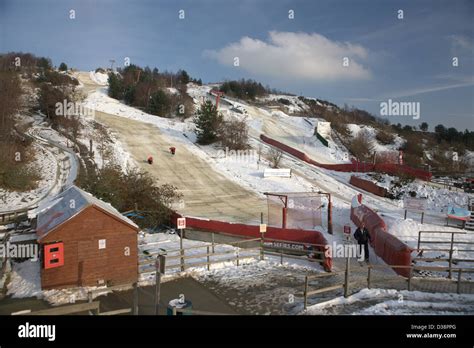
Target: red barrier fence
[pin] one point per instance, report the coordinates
(253, 231)
(355, 166)
(368, 186)
(392, 250)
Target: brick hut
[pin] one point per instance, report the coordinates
(85, 242)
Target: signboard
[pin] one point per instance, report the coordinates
(411, 203)
(282, 173)
(181, 223)
(324, 128)
(263, 228)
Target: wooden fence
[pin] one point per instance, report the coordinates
(451, 250)
(346, 284)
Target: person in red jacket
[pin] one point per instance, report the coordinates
(150, 160)
(172, 150)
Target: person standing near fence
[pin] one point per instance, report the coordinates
(362, 236)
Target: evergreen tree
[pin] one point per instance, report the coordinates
(116, 87)
(62, 67)
(424, 126)
(207, 123)
(159, 104)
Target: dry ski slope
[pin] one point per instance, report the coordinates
(206, 193)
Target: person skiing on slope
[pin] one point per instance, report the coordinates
(363, 237)
(150, 160)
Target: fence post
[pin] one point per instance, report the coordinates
(410, 275)
(208, 259)
(181, 235)
(157, 284)
(458, 288)
(305, 294)
(422, 217)
(405, 214)
(346, 280)
(212, 235)
(281, 258)
(369, 273)
(135, 299)
(451, 255)
(237, 255)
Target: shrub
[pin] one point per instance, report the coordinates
(384, 137)
(234, 134)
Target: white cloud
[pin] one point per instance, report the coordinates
(301, 56)
(462, 42)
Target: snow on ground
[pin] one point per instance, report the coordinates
(295, 105)
(371, 132)
(241, 168)
(393, 302)
(99, 78)
(437, 199)
(25, 281)
(45, 161)
(151, 244)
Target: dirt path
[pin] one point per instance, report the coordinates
(206, 193)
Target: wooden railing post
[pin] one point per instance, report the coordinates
(346, 279)
(458, 287)
(305, 294)
(212, 235)
(410, 275)
(369, 276)
(135, 299)
(451, 255)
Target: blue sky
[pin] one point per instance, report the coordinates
(407, 59)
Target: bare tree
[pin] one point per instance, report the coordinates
(275, 157)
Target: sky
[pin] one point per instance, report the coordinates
(356, 52)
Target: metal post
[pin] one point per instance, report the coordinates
(281, 258)
(157, 284)
(422, 217)
(212, 234)
(346, 280)
(458, 288)
(451, 255)
(237, 255)
(305, 292)
(135, 299)
(181, 249)
(262, 256)
(405, 214)
(208, 259)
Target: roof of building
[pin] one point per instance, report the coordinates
(68, 204)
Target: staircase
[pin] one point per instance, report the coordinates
(470, 224)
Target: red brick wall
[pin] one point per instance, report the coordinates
(84, 262)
